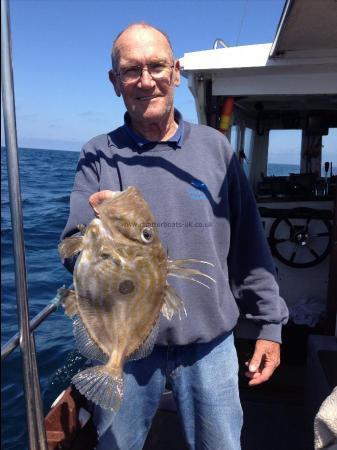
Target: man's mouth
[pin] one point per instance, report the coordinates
(148, 97)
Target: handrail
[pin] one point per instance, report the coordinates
(14, 341)
(35, 420)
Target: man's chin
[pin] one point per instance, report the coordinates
(150, 114)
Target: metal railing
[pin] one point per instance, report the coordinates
(14, 341)
(34, 410)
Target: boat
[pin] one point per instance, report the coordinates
(249, 93)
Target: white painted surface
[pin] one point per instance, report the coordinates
(307, 25)
(297, 284)
(296, 81)
(225, 58)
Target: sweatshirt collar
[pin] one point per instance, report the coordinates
(174, 141)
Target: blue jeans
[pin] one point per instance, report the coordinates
(204, 380)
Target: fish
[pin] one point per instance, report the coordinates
(120, 288)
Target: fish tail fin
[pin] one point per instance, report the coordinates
(100, 386)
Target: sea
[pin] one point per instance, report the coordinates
(46, 181)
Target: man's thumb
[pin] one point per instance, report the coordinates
(255, 362)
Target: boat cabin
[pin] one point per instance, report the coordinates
(273, 100)
(267, 96)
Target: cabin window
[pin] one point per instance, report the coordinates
(284, 152)
(234, 137)
(329, 151)
(247, 148)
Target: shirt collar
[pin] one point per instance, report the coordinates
(174, 141)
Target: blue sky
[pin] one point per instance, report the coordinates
(61, 56)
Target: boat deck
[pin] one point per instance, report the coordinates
(275, 417)
(277, 414)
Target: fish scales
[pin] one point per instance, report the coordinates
(120, 289)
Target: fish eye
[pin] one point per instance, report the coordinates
(147, 235)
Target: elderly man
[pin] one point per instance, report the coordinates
(194, 184)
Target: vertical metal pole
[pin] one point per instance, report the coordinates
(35, 419)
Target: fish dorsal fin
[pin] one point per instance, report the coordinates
(176, 268)
(172, 303)
(70, 246)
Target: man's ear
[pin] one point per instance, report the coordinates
(176, 73)
(114, 80)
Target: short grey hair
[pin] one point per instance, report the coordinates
(114, 56)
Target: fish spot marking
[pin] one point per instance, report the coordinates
(126, 287)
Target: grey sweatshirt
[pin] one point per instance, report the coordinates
(204, 209)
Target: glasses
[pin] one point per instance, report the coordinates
(157, 71)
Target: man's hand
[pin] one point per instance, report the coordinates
(264, 361)
(97, 198)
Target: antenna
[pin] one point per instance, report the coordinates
(241, 23)
(219, 43)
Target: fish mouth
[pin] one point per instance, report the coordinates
(117, 194)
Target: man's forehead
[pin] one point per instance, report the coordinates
(142, 41)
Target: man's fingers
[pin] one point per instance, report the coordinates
(98, 197)
(252, 375)
(254, 363)
(261, 377)
(264, 361)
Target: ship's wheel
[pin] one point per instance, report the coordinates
(300, 238)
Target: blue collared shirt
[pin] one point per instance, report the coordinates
(174, 141)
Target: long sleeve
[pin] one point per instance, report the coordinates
(86, 183)
(251, 267)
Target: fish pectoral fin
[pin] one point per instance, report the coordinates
(70, 246)
(68, 301)
(81, 228)
(172, 303)
(101, 386)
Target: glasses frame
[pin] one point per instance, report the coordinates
(142, 68)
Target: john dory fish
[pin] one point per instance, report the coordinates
(120, 288)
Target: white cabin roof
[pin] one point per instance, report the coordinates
(306, 25)
(227, 58)
(302, 59)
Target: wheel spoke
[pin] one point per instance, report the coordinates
(279, 241)
(312, 251)
(287, 221)
(293, 255)
(321, 234)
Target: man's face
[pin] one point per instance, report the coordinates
(146, 99)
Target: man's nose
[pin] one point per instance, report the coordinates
(146, 80)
